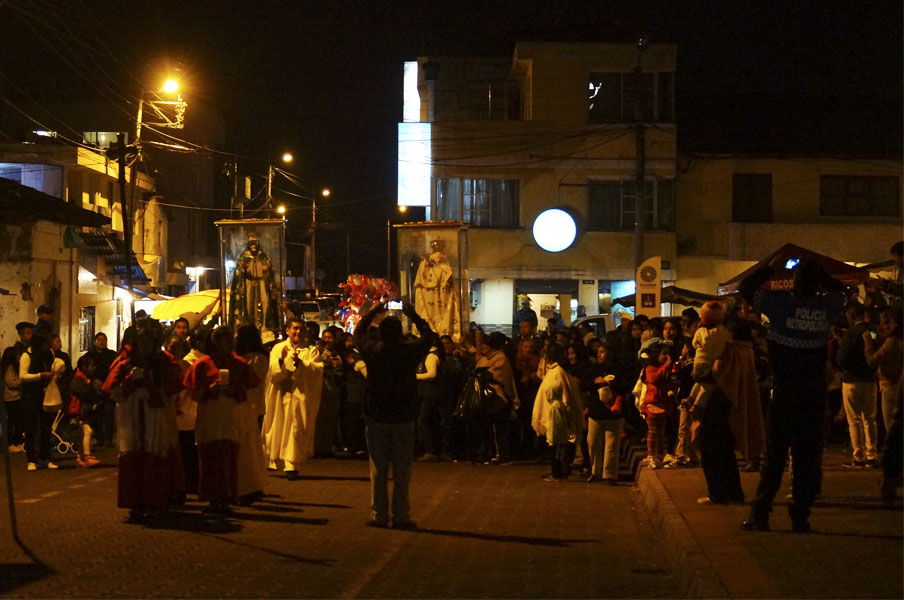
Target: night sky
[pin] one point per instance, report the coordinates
(324, 79)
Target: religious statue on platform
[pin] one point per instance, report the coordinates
(435, 295)
(252, 279)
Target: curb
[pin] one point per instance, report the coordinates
(696, 574)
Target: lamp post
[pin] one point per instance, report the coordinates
(325, 192)
(401, 209)
(287, 158)
(168, 113)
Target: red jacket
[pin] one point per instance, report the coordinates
(656, 400)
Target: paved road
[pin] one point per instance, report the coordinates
(487, 531)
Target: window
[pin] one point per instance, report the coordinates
(101, 139)
(479, 202)
(859, 196)
(86, 328)
(612, 205)
(614, 97)
(751, 197)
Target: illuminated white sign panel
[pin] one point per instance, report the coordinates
(554, 230)
(415, 162)
(411, 101)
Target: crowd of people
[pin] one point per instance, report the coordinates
(208, 412)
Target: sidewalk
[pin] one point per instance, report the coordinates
(855, 550)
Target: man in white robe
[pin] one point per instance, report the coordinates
(294, 382)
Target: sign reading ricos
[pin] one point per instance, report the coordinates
(554, 230)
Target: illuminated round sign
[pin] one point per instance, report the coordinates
(554, 230)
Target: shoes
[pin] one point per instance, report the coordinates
(87, 462)
(504, 463)
(750, 468)
(218, 509)
(13, 448)
(755, 524)
(376, 523)
(654, 464)
(594, 478)
(706, 500)
(404, 525)
(51, 465)
(854, 464)
(800, 526)
(32, 467)
(428, 457)
(292, 475)
(551, 478)
(872, 463)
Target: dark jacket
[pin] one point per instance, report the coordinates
(596, 409)
(851, 356)
(391, 370)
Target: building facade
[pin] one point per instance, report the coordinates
(488, 145)
(86, 280)
(734, 210)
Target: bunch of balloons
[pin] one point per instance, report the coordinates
(360, 292)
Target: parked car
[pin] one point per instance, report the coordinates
(600, 324)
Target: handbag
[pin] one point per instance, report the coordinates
(488, 400)
(467, 399)
(53, 402)
(639, 391)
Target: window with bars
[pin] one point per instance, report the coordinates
(479, 202)
(622, 97)
(859, 196)
(613, 205)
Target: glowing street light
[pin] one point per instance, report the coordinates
(286, 158)
(281, 209)
(167, 111)
(325, 192)
(401, 209)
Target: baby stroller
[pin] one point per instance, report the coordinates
(67, 433)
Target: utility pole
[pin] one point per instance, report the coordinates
(640, 162)
(126, 213)
(235, 187)
(314, 239)
(388, 251)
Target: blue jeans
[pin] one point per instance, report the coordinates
(390, 444)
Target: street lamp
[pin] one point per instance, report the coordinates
(287, 158)
(325, 192)
(401, 209)
(168, 110)
(168, 113)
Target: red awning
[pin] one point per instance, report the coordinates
(841, 271)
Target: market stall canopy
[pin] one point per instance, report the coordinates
(672, 294)
(790, 255)
(194, 307)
